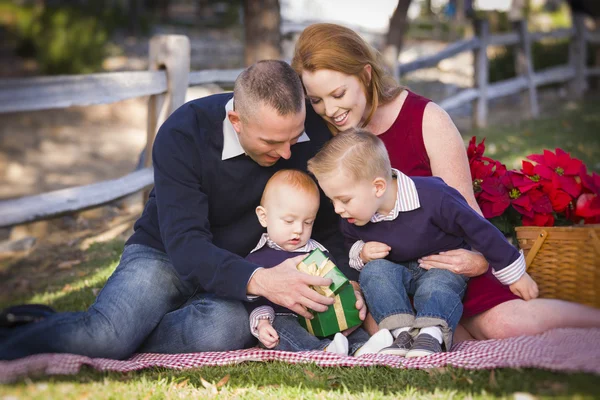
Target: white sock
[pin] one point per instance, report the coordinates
(339, 345)
(434, 331)
(396, 332)
(378, 341)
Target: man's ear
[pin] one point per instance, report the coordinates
(261, 213)
(380, 186)
(236, 121)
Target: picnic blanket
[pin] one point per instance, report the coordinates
(568, 350)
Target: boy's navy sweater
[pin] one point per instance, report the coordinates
(201, 211)
(445, 221)
(268, 257)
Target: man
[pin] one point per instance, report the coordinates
(182, 278)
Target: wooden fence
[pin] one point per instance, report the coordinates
(169, 76)
(575, 73)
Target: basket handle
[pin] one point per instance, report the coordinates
(595, 240)
(536, 247)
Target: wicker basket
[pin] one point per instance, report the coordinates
(564, 261)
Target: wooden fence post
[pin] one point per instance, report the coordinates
(171, 53)
(578, 56)
(524, 67)
(481, 73)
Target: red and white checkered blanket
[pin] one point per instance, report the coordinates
(566, 350)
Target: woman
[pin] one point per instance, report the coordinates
(347, 85)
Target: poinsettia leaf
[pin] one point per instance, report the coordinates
(543, 171)
(550, 159)
(527, 168)
(538, 158)
(569, 185)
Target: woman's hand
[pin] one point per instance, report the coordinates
(460, 261)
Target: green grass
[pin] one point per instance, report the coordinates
(575, 129)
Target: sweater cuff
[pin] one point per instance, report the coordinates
(355, 261)
(513, 272)
(252, 297)
(262, 312)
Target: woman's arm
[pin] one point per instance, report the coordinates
(448, 160)
(447, 153)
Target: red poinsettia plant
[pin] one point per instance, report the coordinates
(551, 189)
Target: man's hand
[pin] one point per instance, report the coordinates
(374, 251)
(460, 261)
(267, 334)
(290, 288)
(525, 287)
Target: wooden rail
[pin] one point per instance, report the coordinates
(169, 77)
(575, 74)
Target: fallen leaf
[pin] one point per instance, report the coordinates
(310, 374)
(68, 264)
(182, 384)
(67, 288)
(205, 383)
(493, 382)
(223, 381)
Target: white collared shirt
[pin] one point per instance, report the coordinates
(307, 248)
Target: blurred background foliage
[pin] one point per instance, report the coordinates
(63, 37)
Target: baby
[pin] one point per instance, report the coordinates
(288, 209)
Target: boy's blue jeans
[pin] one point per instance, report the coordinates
(293, 337)
(437, 296)
(144, 306)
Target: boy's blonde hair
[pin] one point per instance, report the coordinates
(356, 152)
(294, 178)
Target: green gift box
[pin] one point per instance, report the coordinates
(343, 313)
(318, 264)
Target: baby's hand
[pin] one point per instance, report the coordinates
(267, 334)
(374, 251)
(525, 287)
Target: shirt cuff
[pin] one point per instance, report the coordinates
(355, 261)
(513, 272)
(262, 312)
(252, 297)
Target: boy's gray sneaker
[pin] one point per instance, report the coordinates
(424, 345)
(401, 345)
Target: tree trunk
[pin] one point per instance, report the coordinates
(262, 20)
(395, 35)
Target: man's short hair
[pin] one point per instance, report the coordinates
(356, 152)
(269, 82)
(292, 178)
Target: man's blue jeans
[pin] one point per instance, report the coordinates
(143, 306)
(437, 296)
(293, 337)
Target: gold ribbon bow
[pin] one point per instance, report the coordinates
(321, 270)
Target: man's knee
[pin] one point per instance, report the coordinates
(231, 327)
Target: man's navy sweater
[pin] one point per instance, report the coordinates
(443, 222)
(201, 211)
